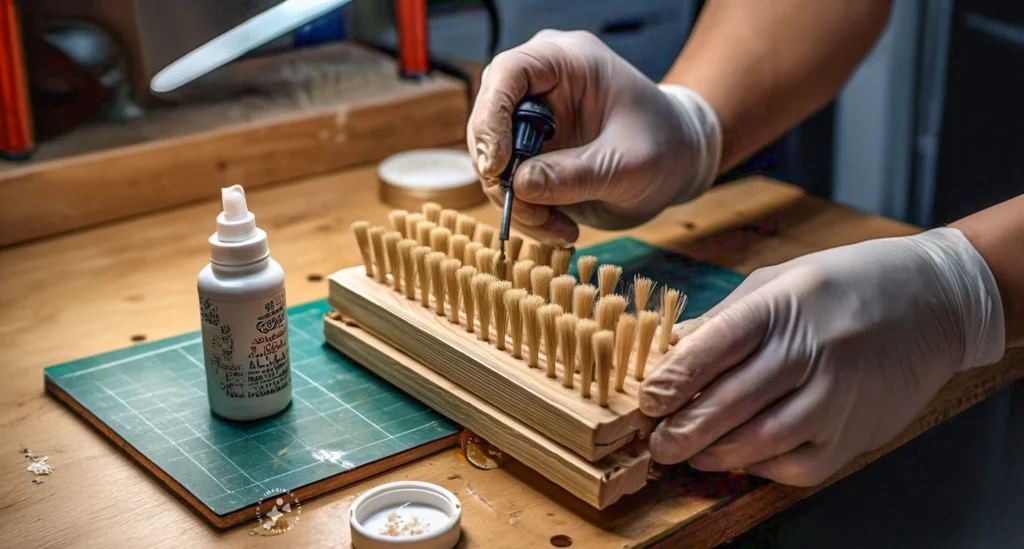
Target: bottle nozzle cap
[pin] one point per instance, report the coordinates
(236, 223)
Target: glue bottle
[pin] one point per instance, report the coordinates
(244, 318)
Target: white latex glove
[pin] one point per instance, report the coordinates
(624, 148)
(809, 363)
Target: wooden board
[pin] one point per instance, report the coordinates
(559, 413)
(343, 424)
(176, 155)
(598, 484)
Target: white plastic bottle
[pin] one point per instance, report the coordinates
(244, 317)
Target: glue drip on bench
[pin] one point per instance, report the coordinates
(480, 453)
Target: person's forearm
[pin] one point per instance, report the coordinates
(765, 65)
(997, 233)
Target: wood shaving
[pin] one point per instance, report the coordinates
(40, 466)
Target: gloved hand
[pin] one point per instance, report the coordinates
(812, 362)
(623, 150)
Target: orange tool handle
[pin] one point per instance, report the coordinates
(413, 50)
(15, 117)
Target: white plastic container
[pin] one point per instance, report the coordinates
(244, 318)
(406, 514)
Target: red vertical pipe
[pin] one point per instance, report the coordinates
(413, 51)
(15, 124)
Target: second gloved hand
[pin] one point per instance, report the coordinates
(810, 363)
(624, 149)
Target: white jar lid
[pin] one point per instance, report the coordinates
(428, 169)
(407, 514)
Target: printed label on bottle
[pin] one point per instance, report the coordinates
(246, 346)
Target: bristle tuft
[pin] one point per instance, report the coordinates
(412, 223)
(391, 241)
(465, 276)
(560, 260)
(609, 308)
(484, 235)
(432, 211)
(423, 231)
(604, 347)
(450, 272)
(419, 257)
(548, 316)
(625, 333)
(540, 281)
(515, 246)
(397, 219)
(566, 327)
(585, 268)
(466, 226)
(583, 300)
(469, 255)
(607, 278)
(361, 229)
(405, 248)
(521, 274)
(561, 291)
(648, 325)
(542, 253)
(439, 239)
(642, 289)
(499, 305)
(379, 254)
(485, 260)
(434, 260)
(449, 219)
(515, 320)
(585, 330)
(479, 286)
(531, 325)
(457, 247)
(672, 304)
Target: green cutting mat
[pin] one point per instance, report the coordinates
(341, 417)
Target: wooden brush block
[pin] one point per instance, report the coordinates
(561, 414)
(598, 484)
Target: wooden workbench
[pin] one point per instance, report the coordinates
(93, 291)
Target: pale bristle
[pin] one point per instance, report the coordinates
(434, 260)
(583, 300)
(419, 257)
(585, 268)
(457, 247)
(439, 239)
(466, 226)
(604, 347)
(423, 232)
(609, 308)
(585, 330)
(649, 321)
(540, 281)
(625, 332)
(499, 305)
(542, 253)
(449, 219)
(432, 211)
(515, 320)
(361, 229)
(412, 223)
(521, 274)
(566, 327)
(469, 255)
(560, 259)
(485, 260)
(397, 219)
(484, 234)
(450, 272)
(408, 267)
(479, 286)
(500, 269)
(379, 254)
(391, 241)
(642, 289)
(561, 291)
(531, 325)
(515, 246)
(672, 304)
(466, 275)
(548, 316)
(607, 278)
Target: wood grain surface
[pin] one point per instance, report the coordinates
(92, 291)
